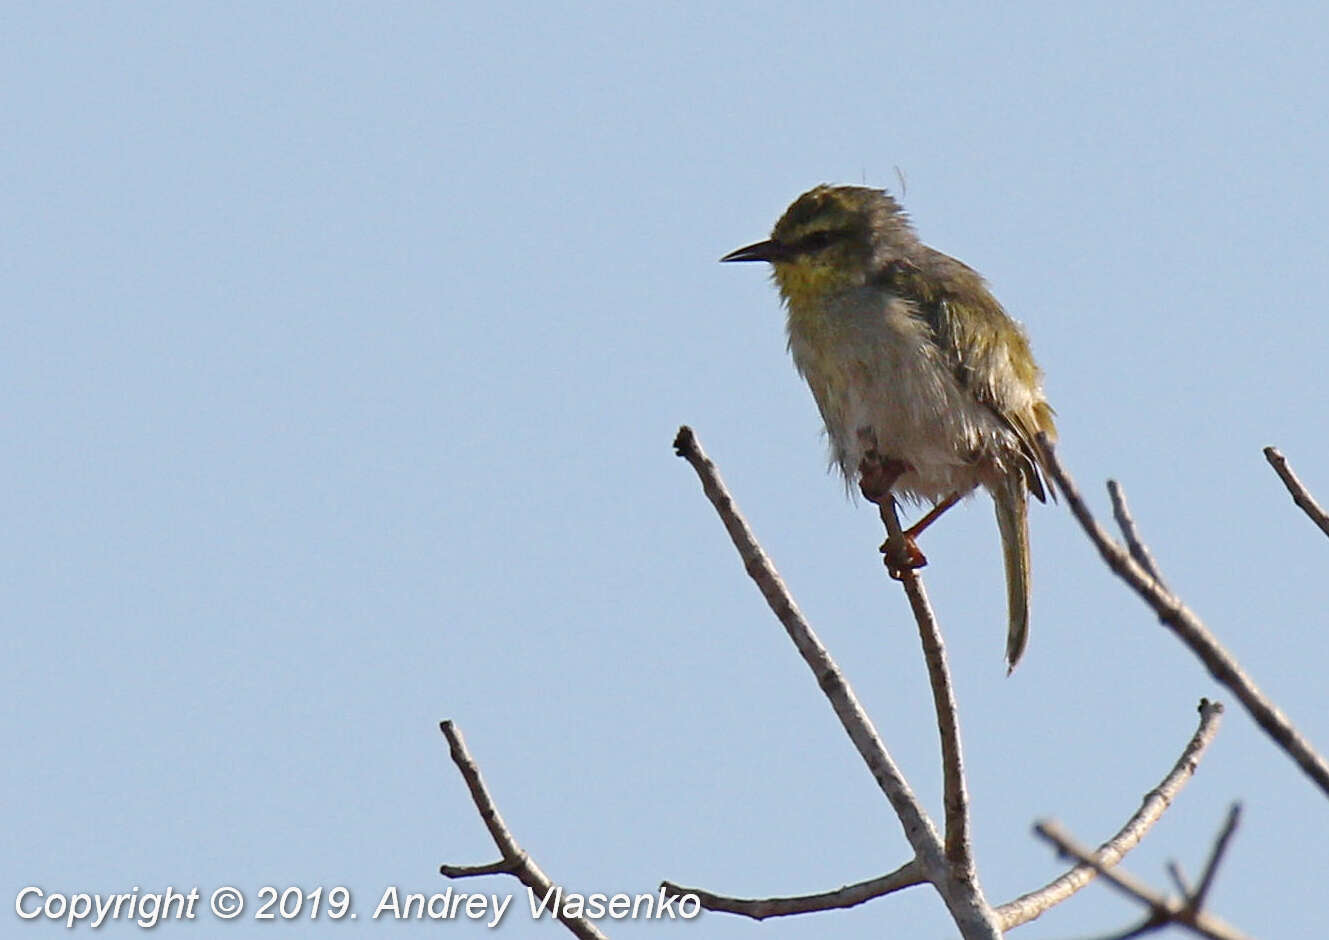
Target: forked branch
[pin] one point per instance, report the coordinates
(1161, 909)
(514, 860)
(959, 891)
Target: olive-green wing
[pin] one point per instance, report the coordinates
(982, 344)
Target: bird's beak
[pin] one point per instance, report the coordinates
(769, 250)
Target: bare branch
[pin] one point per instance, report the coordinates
(962, 898)
(1149, 925)
(1191, 630)
(959, 847)
(1126, 884)
(1196, 900)
(515, 860)
(501, 867)
(1162, 910)
(1300, 495)
(1179, 879)
(1029, 906)
(918, 828)
(906, 876)
(1139, 551)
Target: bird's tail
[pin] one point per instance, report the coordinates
(1012, 504)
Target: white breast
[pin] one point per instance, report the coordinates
(877, 376)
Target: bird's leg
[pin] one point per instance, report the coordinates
(876, 476)
(933, 514)
(916, 557)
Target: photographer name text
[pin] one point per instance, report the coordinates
(149, 908)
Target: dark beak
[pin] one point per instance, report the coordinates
(769, 250)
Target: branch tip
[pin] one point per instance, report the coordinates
(1196, 900)
(685, 442)
(1300, 495)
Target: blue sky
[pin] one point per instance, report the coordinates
(343, 350)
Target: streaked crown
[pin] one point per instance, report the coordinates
(834, 238)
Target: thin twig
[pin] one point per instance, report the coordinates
(1127, 884)
(1148, 925)
(519, 863)
(1029, 906)
(906, 876)
(1162, 909)
(1196, 900)
(1300, 495)
(965, 902)
(1139, 551)
(1191, 630)
(1179, 879)
(501, 867)
(955, 798)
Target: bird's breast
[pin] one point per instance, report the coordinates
(880, 382)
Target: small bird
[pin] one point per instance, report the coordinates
(927, 388)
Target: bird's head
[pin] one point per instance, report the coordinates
(832, 239)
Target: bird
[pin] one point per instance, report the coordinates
(927, 388)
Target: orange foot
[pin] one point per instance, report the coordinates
(914, 558)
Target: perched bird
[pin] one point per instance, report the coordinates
(928, 389)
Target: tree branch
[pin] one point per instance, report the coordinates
(515, 860)
(955, 796)
(962, 898)
(1162, 910)
(1029, 906)
(1300, 495)
(1178, 877)
(1139, 551)
(501, 867)
(1127, 884)
(906, 876)
(1196, 898)
(1191, 630)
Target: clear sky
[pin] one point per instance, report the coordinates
(343, 346)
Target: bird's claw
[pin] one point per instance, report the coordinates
(913, 558)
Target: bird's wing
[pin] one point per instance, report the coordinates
(986, 350)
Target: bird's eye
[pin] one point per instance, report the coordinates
(814, 241)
